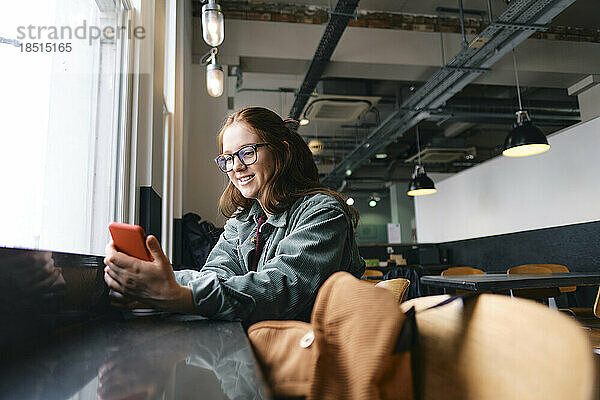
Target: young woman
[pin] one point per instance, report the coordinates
(286, 234)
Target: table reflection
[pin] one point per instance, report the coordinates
(29, 280)
(141, 358)
(41, 291)
(61, 340)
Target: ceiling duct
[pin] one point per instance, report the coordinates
(338, 22)
(339, 108)
(517, 22)
(443, 155)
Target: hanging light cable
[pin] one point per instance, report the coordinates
(420, 184)
(525, 139)
(214, 73)
(213, 31)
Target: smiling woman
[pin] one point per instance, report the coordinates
(286, 234)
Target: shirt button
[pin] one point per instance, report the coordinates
(307, 339)
(253, 240)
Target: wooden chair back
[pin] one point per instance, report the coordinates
(373, 272)
(495, 347)
(398, 287)
(462, 271)
(543, 293)
(558, 268)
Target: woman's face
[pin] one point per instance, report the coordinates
(250, 180)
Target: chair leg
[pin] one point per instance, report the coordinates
(552, 303)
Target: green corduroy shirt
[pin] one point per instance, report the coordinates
(304, 245)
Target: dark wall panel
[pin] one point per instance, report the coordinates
(177, 241)
(150, 211)
(576, 246)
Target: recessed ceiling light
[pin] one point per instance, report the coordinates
(381, 156)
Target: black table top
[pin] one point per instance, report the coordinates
(498, 282)
(138, 357)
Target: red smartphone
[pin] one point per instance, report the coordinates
(130, 239)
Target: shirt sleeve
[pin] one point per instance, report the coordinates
(222, 262)
(287, 284)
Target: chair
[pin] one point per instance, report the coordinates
(495, 347)
(462, 271)
(542, 293)
(372, 272)
(398, 287)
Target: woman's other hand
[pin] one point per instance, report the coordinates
(150, 282)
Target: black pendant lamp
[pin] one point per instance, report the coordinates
(420, 184)
(525, 139)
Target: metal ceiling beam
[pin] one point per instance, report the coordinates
(338, 22)
(446, 82)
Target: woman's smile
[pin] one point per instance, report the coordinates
(244, 180)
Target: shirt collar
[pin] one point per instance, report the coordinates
(255, 211)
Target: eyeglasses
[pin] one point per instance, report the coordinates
(247, 156)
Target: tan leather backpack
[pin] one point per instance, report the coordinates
(357, 346)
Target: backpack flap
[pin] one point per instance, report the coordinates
(286, 353)
(357, 328)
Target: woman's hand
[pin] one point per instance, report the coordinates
(150, 282)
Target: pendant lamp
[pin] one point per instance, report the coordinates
(212, 24)
(525, 139)
(214, 73)
(420, 184)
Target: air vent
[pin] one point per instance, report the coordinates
(436, 155)
(339, 111)
(339, 108)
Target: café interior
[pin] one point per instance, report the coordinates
(464, 132)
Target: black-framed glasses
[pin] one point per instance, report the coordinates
(247, 156)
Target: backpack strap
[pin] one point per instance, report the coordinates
(407, 338)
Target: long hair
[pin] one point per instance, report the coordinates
(295, 174)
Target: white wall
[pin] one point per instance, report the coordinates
(503, 195)
(203, 182)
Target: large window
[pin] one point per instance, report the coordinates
(63, 112)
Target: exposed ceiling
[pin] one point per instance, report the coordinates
(465, 130)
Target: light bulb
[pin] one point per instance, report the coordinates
(214, 80)
(421, 192)
(316, 146)
(212, 24)
(526, 150)
(350, 201)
